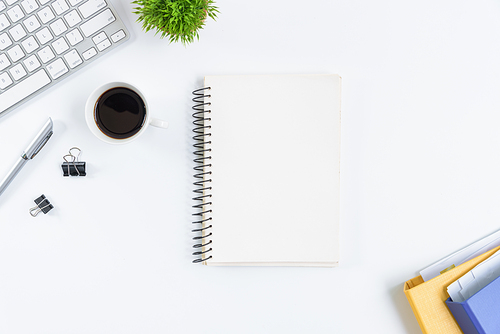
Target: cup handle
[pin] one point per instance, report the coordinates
(158, 123)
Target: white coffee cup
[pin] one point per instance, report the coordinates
(99, 129)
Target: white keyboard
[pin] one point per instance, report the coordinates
(44, 41)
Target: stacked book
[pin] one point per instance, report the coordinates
(460, 293)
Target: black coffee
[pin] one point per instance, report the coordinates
(120, 113)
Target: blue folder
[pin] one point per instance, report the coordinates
(480, 314)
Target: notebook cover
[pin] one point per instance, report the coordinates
(274, 170)
(428, 299)
(480, 313)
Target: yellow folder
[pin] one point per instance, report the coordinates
(427, 299)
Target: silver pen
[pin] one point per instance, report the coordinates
(36, 145)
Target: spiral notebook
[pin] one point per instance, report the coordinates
(267, 170)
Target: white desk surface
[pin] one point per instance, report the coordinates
(420, 174)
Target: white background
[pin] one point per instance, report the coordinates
(420, 174)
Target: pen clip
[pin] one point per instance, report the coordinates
(42, 144)
(39, 141)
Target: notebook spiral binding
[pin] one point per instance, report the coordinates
(202, 175)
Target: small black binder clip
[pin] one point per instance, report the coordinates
(72, 166)
(42, 205)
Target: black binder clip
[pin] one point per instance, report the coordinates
(42, 205)
(72, 166)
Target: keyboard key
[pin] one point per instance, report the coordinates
(72, 18)
(4, 22)
(15, 53)
(18, 72)
(4, 62)
(30, 44)
(99, 38)
(58, 27)
(5, 41)
(60, 6)
(89, 53)
(119, 35)
(104, 45)
(2, 6)
(31, 63)
(23, 89)
(31, 23)
(74, 2)
(73, 59)
(74, 37)
(5, 81)
(91, 7)
(57, 68)
(10, 2)
(44, 36)
(17, 32)
(97, 22)
(46, 54)
(29, 6)
(15, 13)
(43, 2)
(46, 15)
(60, 46)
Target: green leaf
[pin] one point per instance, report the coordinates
(179, 20)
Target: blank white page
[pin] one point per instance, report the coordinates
(275, 148)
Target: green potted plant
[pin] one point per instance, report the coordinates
(179, 20)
